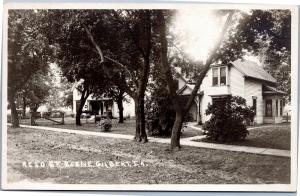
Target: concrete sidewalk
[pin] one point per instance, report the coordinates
(183, 141)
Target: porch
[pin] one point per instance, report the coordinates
(273, 103)
(98, 107)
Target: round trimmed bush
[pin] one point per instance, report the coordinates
(104, 124)
(228, 117)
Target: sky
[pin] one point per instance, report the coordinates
(198, 31)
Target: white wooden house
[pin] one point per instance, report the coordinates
(102, 105)
(240, 78)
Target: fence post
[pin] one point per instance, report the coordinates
(32, 123)
(63, 118)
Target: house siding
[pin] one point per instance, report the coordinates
(236, 82)
(129, 109)
(181, 83)
(253, 89)
(205, 87)
(237, 85)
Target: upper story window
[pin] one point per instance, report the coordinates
(219, 76)
(215, 76)
(223, 76)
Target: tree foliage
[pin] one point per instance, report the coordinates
(29, 51)
(36, 91)
(79, 63)
(267, 35)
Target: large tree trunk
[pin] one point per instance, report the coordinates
(176, 130)
(14, 114)
(83, 98)
(140, 133)
(120, 107)
(142, 118)
(137, 120)
(166, 68)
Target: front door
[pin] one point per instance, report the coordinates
(269, 107)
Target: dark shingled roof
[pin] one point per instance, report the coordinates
(253, 70)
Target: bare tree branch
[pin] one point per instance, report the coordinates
(94, 43)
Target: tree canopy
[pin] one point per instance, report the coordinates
(29, 51)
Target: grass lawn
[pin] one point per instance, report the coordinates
(189, 165)
(272, 136)
(127, 128)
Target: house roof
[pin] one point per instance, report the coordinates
(253, 70)
(270, 90)
(187, 86)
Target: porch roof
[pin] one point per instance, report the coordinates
(270, 90)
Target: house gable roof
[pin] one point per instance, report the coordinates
(187, 90)
(253, 70)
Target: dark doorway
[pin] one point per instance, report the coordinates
(95, 106)
(269, 107)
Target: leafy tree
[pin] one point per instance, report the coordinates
(127, 50)
(35, 91)
(60, 93)
(181, 112)
(68, 99)
(228, 118)
(29, 51)
(75, 56)
(267, 35)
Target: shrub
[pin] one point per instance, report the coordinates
(104, 124)
(160, 114)
(97, 118)
(228, 117)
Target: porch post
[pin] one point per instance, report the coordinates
(104, 106)
(198, 111)
(101, 108)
